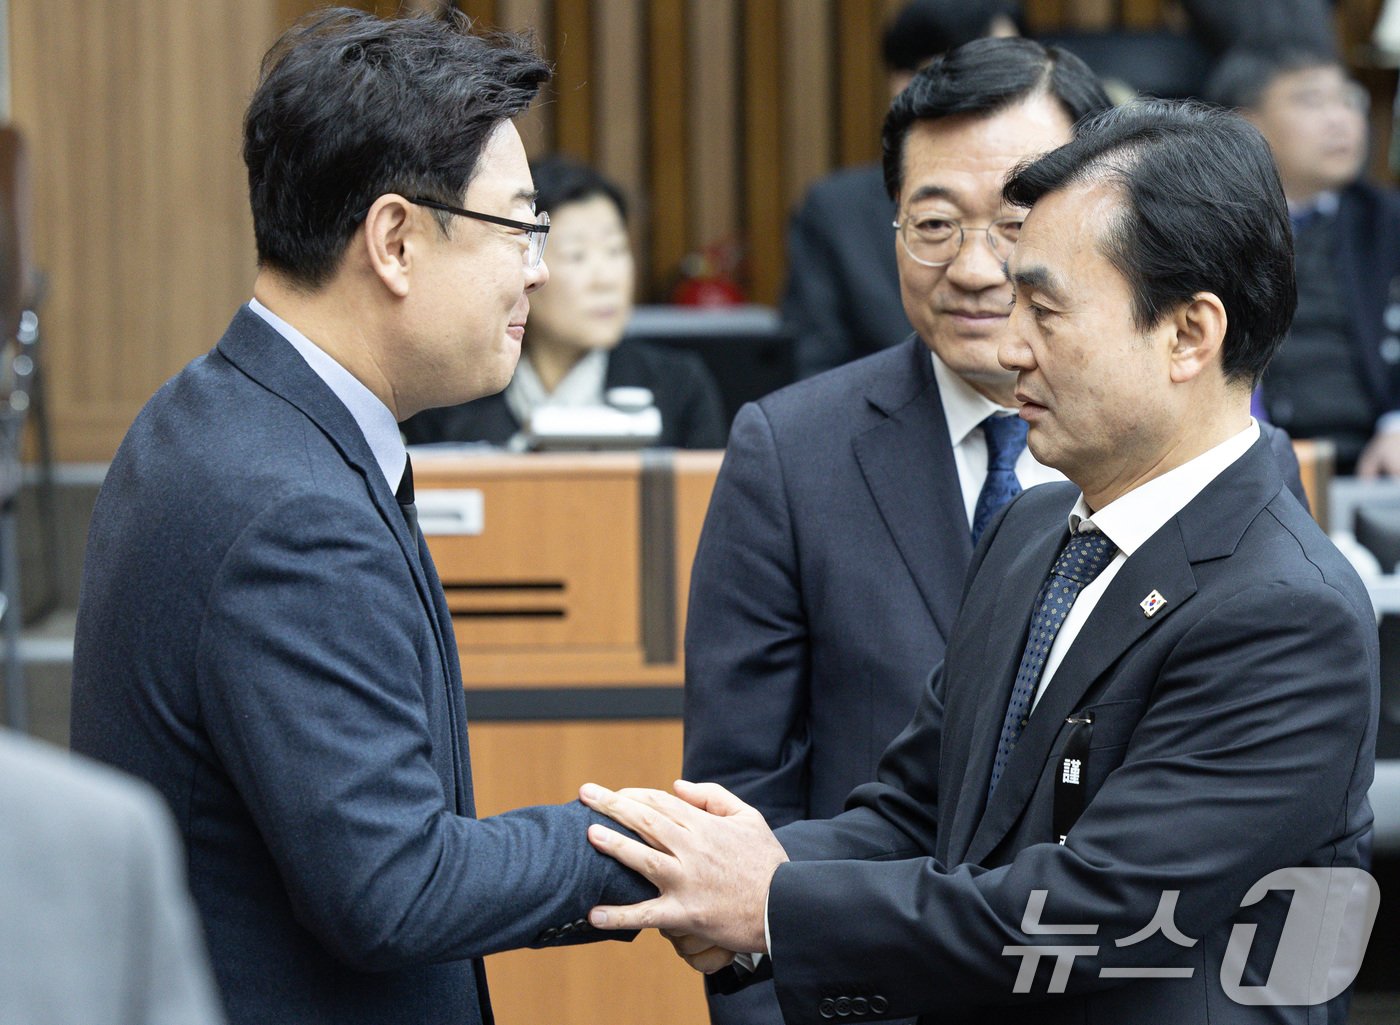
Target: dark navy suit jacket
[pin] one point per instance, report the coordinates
(827, 580)
(1368, 273)
(842, 300)
(1233, 735)
(261, 637)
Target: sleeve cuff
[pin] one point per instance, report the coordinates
(750, 962)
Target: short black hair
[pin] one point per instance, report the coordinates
(1241, 77)
(1203, 212)
(985, 77)
(560, 180)
(925, 28)
(350, 107)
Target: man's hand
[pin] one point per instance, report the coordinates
(700, 954)
(1381, 456)
(711, 856)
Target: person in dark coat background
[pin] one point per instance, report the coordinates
(1337, 376)
(574, 350)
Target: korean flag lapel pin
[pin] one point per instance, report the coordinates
(1152, 603)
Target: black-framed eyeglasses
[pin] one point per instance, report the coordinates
(536, 231)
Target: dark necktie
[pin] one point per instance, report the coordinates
(1304, 219)
(405, 496)
(1006, 440)
(1082, 559)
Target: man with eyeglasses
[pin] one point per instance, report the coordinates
(261, 632)
(832, 558)
(832, 561)
(1338, 374)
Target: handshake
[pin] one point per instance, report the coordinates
(711, 856)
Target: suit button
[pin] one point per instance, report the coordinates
(579, 923)
(827, 1008)
(548, 934)
(860, 1005)
(843, 1007)
(566, 928)
(878, 1004)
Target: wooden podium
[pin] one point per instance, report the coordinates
(567, 578)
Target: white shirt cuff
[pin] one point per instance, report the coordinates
(750, 962)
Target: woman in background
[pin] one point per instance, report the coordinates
(573, 350)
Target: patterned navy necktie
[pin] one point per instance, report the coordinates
(1081, 560)
(1006, 440)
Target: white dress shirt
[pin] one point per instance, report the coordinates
(965, 408)
(1130, 520)
(375, 420)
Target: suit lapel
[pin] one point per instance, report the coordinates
(1209, 527)
(1116, 624)
(266, 357)
(907, 462)
(1005, 640)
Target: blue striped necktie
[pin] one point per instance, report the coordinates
(1006, 440)
(1081, 560)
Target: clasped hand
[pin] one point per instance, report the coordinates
(711, 856)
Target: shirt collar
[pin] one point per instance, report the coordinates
(1130, 520)
(1324, 203)
(375, 420)
(964, 407)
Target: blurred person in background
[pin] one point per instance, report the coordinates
(842, 300)
(96, 923)
(574, 350)
(1337, 376)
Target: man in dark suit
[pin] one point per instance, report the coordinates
(261, 633)
(830, 567)
(841, 299)
(1338, 374)
(1157, 710)
(831, 564)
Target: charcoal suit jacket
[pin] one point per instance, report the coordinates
(827, 580)
(1233, 735)
(262, 637)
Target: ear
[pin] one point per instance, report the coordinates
(392, 236)
(1198, 336)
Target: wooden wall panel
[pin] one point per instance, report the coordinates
(537, 125)
(667, 139)
(808, 80)
(713, 136)
(713, 115)
(863, 90)
(638, 983)
(133, 113)
(764, 173)
(1141, 14)
(573, 55)
(617, 92)
(619, 106)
